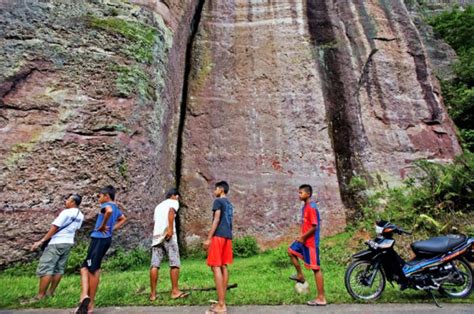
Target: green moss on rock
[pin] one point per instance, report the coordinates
(133, 80)
(143, 36)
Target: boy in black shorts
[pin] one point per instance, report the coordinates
(110, 219)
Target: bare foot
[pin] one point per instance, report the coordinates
(152, 297)
(321, 300)
(90, 309)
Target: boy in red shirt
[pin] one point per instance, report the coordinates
(306, 247)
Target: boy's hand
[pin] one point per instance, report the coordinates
(206, 244)
(36, 245)
(300, 240)
(103, 229)
(168, 235)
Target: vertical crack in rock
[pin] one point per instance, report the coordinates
(346, 134)
(184, 99)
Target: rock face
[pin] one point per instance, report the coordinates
(442, 57)
(273, 94)
(90, 95)
(288, 92)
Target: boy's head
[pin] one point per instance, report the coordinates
(106, 194)
(73, 200)
(221, 188)
(305, 192)
(173, 194)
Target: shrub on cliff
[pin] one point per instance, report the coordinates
(456, 28)
(438, 198)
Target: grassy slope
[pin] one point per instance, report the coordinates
(261, 279)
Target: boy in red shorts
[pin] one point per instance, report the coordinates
(306, 247)
(219, 244)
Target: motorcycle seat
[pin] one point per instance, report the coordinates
(437, 245)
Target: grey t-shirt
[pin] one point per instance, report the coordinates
(224, 229)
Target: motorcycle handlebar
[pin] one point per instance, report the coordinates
(404, 231)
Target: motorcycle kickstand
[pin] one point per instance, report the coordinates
(434, 298)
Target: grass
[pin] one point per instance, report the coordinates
(261, 279)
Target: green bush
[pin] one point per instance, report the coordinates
(438, 198)
(22, 269)
(279, 257)
(76, 258)
(245, 247)
(125, 260)
(194, 251)
(456, 27)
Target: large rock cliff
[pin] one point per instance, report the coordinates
(90, 95)
(290, 92)
(269, 96)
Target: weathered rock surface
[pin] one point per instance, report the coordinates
(90, 95)
(442, 57)
(289, 92)
(279, 93)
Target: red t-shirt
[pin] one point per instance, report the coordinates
(310, 218)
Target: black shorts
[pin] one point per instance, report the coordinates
(96, 253)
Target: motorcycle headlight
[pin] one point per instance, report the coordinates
(378, 230)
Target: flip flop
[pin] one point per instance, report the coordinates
(30, 301)
(83, 306)
(315, 303)
(213, 311)
(181, 296)
(295, 278)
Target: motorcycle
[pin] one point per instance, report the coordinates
(440, 263)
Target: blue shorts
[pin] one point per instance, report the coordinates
(309, 255)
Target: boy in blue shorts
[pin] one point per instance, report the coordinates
(306, 247)
(110, 219)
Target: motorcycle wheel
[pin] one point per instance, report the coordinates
(356, 280)
(455, 288)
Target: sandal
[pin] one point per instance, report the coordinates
(83, 307)
(294, 277)
(214, 311)
(316, 303)
(182, 295)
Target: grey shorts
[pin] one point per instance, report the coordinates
(53, 260)
(167, 248)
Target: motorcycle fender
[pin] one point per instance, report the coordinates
(364, 255)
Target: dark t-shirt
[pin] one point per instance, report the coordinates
(224, 229)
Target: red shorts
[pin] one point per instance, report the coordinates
(219, 252)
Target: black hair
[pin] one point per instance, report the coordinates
(224, 185)
(76, 198)
(109, 190)
(172, 192)
(307, 188)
